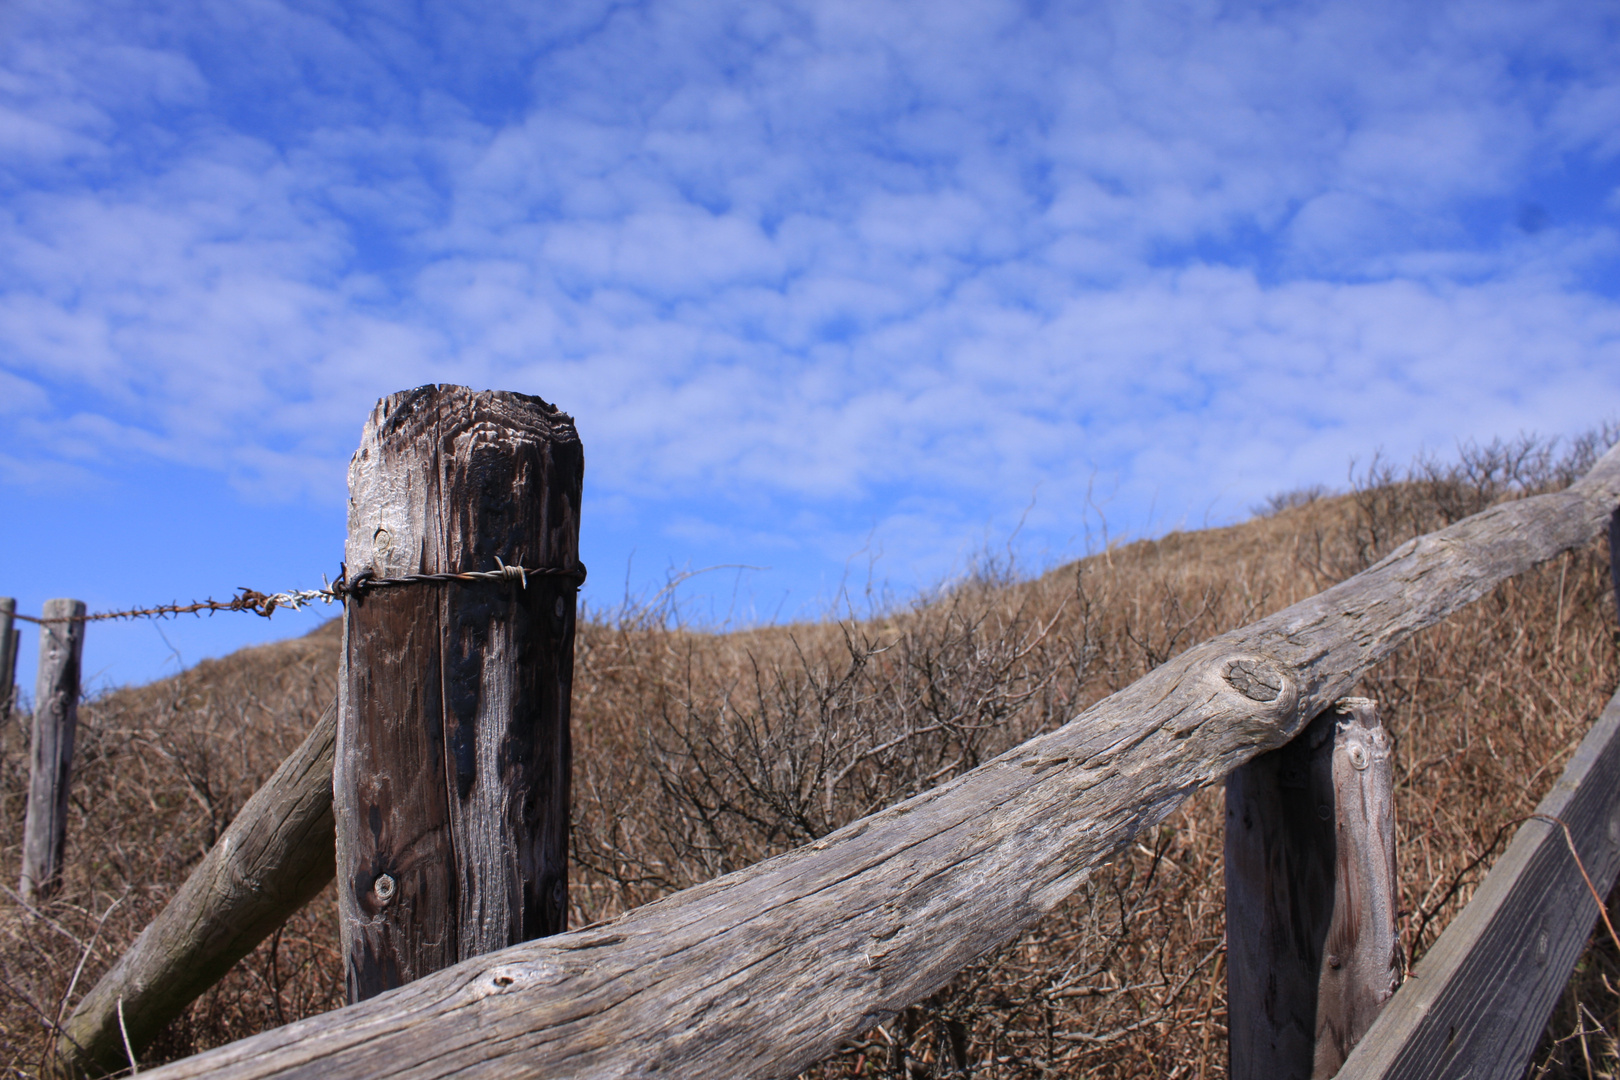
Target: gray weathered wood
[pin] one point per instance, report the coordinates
(16, 645)
(1477, 1002)
(453, 742)
(273, 858)
(1311, 950)
(759, 972)
(56, 717)
(8, 655)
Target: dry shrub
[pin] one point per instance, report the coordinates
(736, 737)
(698, 753)
(159, 771)
(743, 746)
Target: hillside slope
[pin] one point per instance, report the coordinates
(700, 752)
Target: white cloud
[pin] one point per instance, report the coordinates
(864, 262)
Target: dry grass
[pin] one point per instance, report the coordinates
(159, 771)
(697, 753)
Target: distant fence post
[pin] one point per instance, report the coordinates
(451, 779)
(1310, 896)
(56, 716)
(8, 655)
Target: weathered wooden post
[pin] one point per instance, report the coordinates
(1310, 896)
(56, 716)
(8, 655)
(451, 783)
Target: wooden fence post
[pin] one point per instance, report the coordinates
(8, 655)
(451, 780)
(1310, 896)
(16, 644)
(56, 716)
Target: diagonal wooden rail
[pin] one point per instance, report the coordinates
(763, 971)
(274, 857)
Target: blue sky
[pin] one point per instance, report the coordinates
(835, 289)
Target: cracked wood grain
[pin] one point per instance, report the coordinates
(56, 719)
(765, 970)
(451, 779)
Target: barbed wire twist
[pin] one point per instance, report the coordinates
(265, 604)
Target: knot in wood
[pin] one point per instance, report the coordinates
(1362, 736)
(1255, 679)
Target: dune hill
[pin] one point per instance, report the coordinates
(698, 752)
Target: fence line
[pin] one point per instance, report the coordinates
(265, 604)
(765, 970)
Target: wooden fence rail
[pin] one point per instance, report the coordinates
(273, 858)
(763, 971)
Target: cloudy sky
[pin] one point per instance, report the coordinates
(839, 290)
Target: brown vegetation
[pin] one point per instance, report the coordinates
(699, 752)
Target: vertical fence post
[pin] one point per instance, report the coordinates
(16, 644)
(56, 716)
(1310, 896)
(8, 656)
(451, 779)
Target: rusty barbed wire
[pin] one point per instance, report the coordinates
(265, 604)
